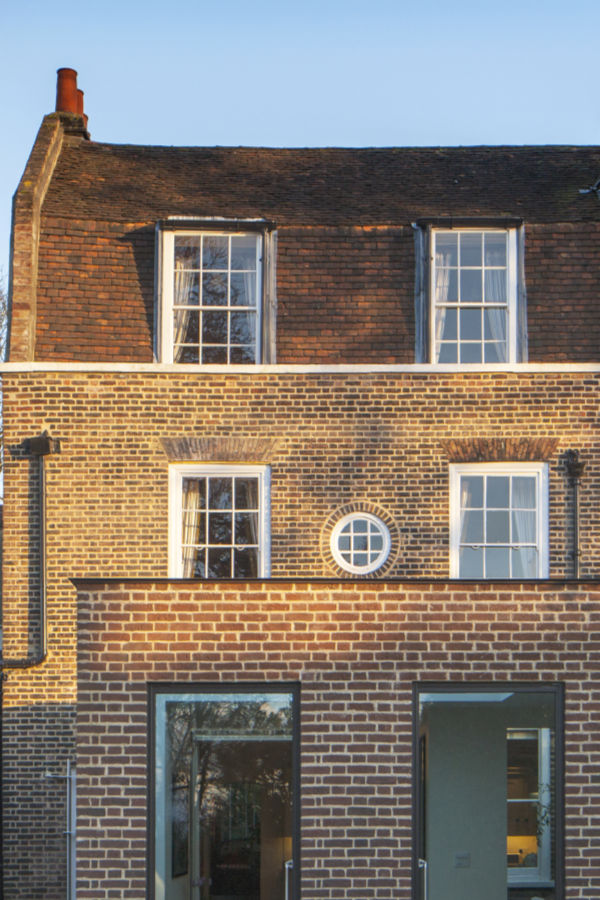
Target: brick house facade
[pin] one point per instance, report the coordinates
(295, 535)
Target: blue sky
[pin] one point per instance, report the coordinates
(328, 73)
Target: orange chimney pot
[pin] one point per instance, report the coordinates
(66, 92)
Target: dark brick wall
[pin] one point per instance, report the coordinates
(356, 651)
(345, 294)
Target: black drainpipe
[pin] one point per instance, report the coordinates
(40, 447)
(575, 471)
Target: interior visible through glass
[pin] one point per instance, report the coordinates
(224, 796)
(487, 795)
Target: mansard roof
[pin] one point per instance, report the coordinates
(329, 186)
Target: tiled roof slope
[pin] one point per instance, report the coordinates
(330, 186)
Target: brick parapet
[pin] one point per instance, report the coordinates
(27, 206)
(356, 651)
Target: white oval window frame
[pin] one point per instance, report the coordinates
(380, 560)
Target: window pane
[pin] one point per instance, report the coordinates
(524, 527)
(447, 353)
(494, 324)
(214, 328)
(224, 795)
(470, 249)
(242, 355)
(246, 563)
(220, 493)
(243, 290)
(497, 527)
(471, 529)
(471, 563)
(243, 251)
(471, 487)
(495, 286)
(524, 492)
(524, 562)
(214, 355)
(498, 491)
(470, 324)
(220, 528)
(215, 252)
(186, 354)
(446, 324)
(214, 290)
(470, 353)
(242, 328)
(471, 290)
(497, 562)
(446, 250)
(246, 493)
(186, 288)
(219, 562)
(446, 285)
(494, 353)
(187, 251)
(495, 248)
(246, 528)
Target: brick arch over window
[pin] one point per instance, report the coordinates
(500, 449)
(219, 449)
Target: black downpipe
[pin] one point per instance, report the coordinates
(40, 447)
(575, 471)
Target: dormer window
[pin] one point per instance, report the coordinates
(470, 297)
(217, 294)
(474, 293)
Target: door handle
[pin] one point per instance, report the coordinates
(288, 866)
(423, 866)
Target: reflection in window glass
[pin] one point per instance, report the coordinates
(216, 290)
(224, 796)
(220, 536)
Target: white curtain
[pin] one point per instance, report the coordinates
(495, 286)
(524, 529)
(442, 286)
(181, 317)
(190, 537)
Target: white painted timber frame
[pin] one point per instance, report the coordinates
(512, 291)
(179, 471)
(537, 469)
(373, 564)
(166, 294)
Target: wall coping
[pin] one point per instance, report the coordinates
(299, 369)
(366, 584)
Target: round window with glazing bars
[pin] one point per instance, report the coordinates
(360, 543)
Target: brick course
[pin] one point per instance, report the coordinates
(356, 650)
(331, 440)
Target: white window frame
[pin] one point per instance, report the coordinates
(381, 557)
(538, 469)
(166, 312)
(512, 291)
(539, 874)
(179, 471)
